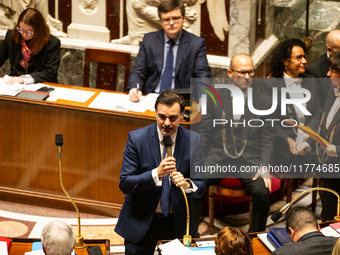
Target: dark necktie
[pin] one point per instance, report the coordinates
(165, 196)
(169, 67)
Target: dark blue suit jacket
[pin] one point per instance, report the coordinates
(141, 156)
(191, 61)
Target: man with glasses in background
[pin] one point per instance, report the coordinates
(168, 58)
(239, 144)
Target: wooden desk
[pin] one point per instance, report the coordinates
(258, 247)
(21, 245)
(94, 141)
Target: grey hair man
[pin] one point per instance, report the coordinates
(57, 238)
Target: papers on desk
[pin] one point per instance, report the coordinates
(14, 89)
(39, 252)
(176, 247)
(75, 95)
(9, 90)
(329, 231)
(3, 248)
(121, 102)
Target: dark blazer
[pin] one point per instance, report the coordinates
(325, 133)
(331, 181)
(313, 106)
(44, 65)
(141, 156)
(313, 243)
(191, 61)
(319, 69)
(260, 140)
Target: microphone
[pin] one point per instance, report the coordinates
(79, 244)
(278, 214)
(59, 143)
(167, 145)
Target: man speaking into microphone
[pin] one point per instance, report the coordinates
(154, 207)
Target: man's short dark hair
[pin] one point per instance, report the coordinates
(334, 61)
(169, 97)
(170, 5)
(300, 217)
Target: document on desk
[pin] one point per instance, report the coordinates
(108, 101)
(121, 102)
(75, 95)
(174, 247)
(329, 231)
(9, 90)
(3, 248)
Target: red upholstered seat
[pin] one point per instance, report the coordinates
(235, 183)
(233, 192)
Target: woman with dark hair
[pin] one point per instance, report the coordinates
(288, 64)
(33, 53)
(233, 241)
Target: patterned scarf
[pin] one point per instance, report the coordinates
(27, 52)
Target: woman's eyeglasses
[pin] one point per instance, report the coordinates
(27, 32)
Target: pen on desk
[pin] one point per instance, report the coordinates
(137, 86)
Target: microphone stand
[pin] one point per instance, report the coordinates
(79, 238)
(278, 214)
(186, 237)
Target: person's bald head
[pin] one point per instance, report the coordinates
(333, 41)
(241, 70)
(239, 60)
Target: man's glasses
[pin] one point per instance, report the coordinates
(242, 74)
(27, 32)
(174, 19)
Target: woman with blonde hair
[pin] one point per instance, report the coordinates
(33, 53)
(233, 241)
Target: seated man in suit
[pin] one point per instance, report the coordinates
(238, 144)
(168, 58)
(154, 207)
(303, 229)
(57, 238)
(319, 67)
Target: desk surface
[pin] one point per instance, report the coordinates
(21, 245)
(94, 141)
(147, 114)
(258, 247)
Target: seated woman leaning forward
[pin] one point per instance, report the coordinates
(33, 53)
